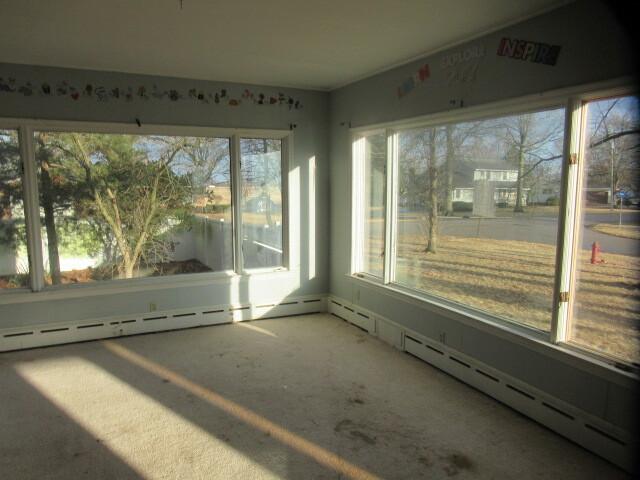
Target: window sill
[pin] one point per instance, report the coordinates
(527, 337)
(112, 287)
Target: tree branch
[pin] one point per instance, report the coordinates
(613, 136)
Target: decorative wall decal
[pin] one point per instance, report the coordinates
(103, 93)
(453, 59)
(8, 86)
(414, 80)
(462, 74)
(529, 51)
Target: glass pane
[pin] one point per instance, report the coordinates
(14, 262)
(127, 206)
(606, 310)
(478, 213)
(261, 202)
(374, 204)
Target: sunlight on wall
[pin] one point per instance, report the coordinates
(295, 217)
(312, 217)
(150, 438)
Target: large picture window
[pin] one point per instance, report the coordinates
(478, 210)
(529, 216)
(128, 206)
(99, 205)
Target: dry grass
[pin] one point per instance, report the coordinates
(514, 280)
(624, 231)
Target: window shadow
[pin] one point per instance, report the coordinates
(39, 440)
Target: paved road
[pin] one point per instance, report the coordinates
(531, 229)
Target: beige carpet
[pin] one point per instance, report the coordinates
(307, 397)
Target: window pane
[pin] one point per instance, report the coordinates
(375, 158)
(261, 204)
(478, 213)
(606, 310)
(127, 206)
(14, 262)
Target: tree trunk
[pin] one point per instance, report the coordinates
(432, 195)
(50, 225)
(519, 189)
(450, 159)
(129, 267)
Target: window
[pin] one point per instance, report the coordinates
(495, 251)
(369, 173)
(119, 206)
(606, 309)
(127, 206)
(261, 202)
(496, 216)
(14, 262)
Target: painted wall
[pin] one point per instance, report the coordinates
(309, 241)
(594, 48)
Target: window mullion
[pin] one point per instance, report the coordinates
(573, 156)
(357, 205)
(31, 208)
(391, 204)
(236, 192)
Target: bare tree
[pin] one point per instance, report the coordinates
(421, 172)
(614, 145)
(130, 192)
(529, 136)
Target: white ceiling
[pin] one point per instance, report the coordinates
(319, 44)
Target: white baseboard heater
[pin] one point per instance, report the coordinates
(17, 338)
(602, 438)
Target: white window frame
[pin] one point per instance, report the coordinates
(358, 202)
(39, 291)
(573, 99)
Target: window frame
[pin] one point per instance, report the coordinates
(573, 100)
(39, 291)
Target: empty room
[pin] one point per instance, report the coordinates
(319, 240)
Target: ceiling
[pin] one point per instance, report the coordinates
(320, 44)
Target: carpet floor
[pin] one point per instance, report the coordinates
(308, 397)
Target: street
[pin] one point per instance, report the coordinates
(523, 227)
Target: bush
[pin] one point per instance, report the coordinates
(553, 201)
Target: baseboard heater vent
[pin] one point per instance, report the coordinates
(460, 362)
(358, 317)
(91, 325)
(53, 330)
(605, 434)
(18, 334)
(521, 392)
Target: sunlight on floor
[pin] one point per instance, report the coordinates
(257, 329)
(140, 431)
(319, 454)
